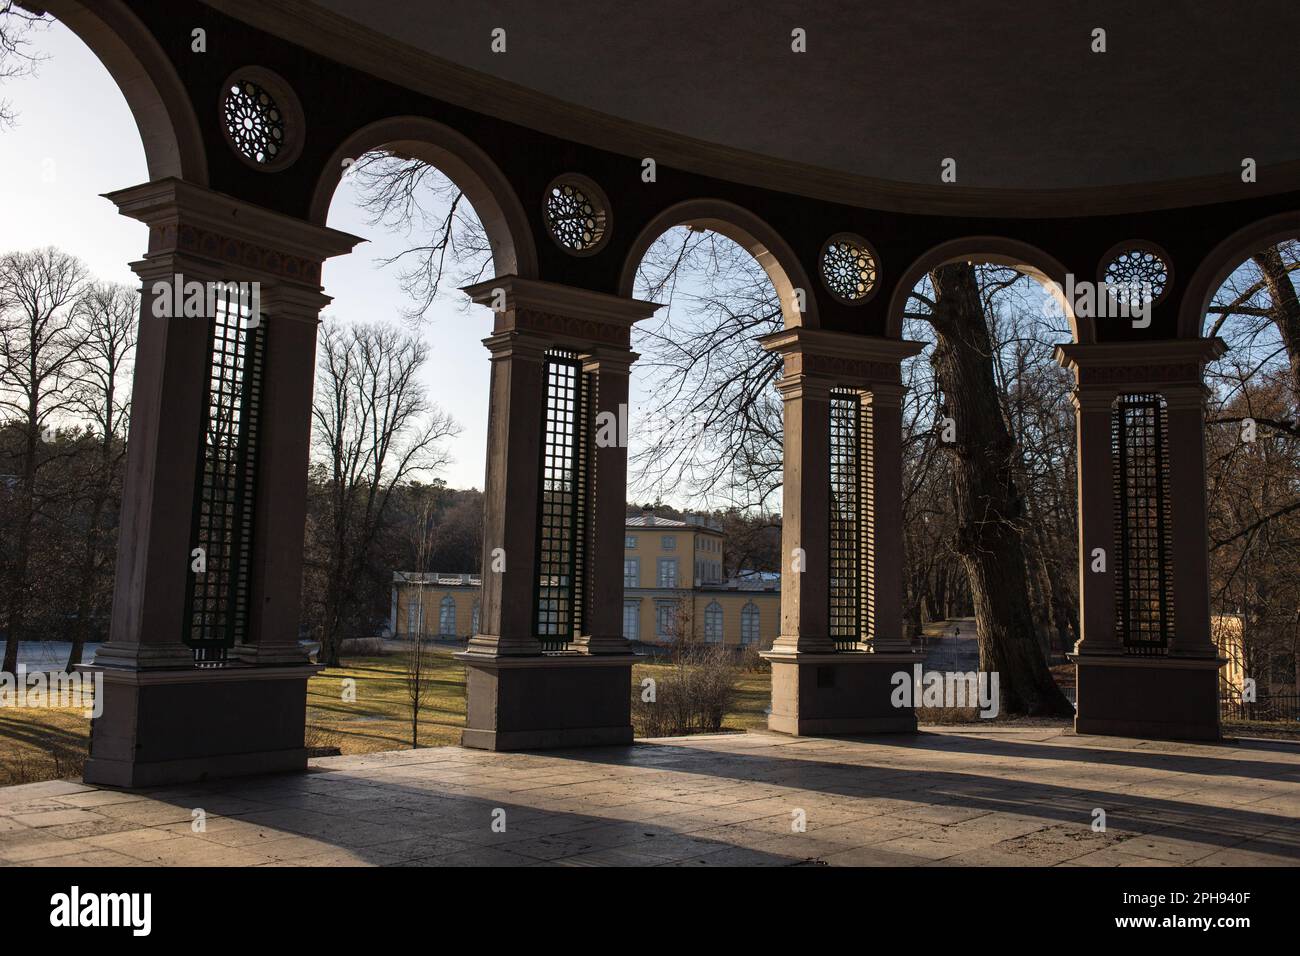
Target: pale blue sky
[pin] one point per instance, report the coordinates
(75, 139)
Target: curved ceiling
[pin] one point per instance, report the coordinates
(889, 89)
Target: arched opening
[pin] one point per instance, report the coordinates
(1223, 261)
(162, 110)
(70, 308)
(705, 453)
(476, 176)
(1252, 461)
(747, 231)
(398, 328)
(990, 547)
(995, 251)
(707, 415)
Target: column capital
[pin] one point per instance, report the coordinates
(794, 387)
(1156, 365)
(841, 359)
(228, 234)
(1185, 397)
(567, 316)
(608, 360)
(885, 395)
(525, 346)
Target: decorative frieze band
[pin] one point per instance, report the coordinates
(212, 245)
(846, 371)
(1154, 364)
(840, 359)
(1182, 373)
(566, 326)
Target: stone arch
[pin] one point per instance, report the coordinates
(997, 250)
(749, 232)
(1222, 260)
(163, 112)
(463, 162)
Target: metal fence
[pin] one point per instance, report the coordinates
(1276, 707)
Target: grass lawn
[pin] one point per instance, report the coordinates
(45, 744)
(379, 718)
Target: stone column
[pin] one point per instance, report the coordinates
(805, 517)
(164, 720)
(152, 571)
(884, 403)
(608, 370)
(1185, 407)
(817, 689)
(517, 696)
(291, 314)
(1096, 520)
(507, 616)
(1174, 694)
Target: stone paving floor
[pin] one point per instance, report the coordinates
(950, 796)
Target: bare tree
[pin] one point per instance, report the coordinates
(713, 430)
(417, 680)
(41, 344)
(374, 430)
(16, 58)
(106, 317)
(449, 241)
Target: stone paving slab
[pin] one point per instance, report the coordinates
(954, 796)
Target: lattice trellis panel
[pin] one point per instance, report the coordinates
(849, 583)
(1144, 607)
(217, 612)
(563, 526)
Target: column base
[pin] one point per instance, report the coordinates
(198, 723)
(849, 692)
(547, 702)
(1168, 698)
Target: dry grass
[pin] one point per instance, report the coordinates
(380, 717)
(39, 743)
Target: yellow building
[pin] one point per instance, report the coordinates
(672, 585)
(1225, 629)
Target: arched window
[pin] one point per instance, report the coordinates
(447, 617)
(749, 623)
(713, 623)
(474, 619)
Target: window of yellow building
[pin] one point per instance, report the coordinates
(749, 616)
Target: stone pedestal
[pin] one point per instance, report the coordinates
(1164, 697)
(538, 703)
(184, 725)
(1174, 694)
(846, 692)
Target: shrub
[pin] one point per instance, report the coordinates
(750, 662)
(363, 647)
(692, 696)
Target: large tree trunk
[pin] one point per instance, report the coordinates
(988, 503)
(1285, 307)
